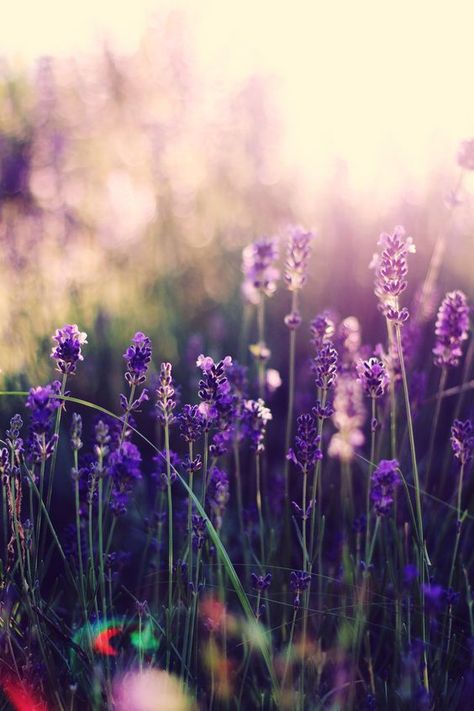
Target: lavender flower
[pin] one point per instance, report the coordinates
(323, 328)
(43, 405)
(138, 357)
(260, 272)
(452, 328)
(214, 387)
(76, 431)
(462, 440)
(306, 447)
(123, 467)
(166, 402)
(385, 479)
(373, 376)
(348, 418)
(297, 257)
(199, 531)
(159, 473)
(260, 583)
(256, 416)
(391, 269)
(15, 442)
(299, 582)
(348, 341)
(324, 366)
(67, 351)
(191, 423)
(218, 494)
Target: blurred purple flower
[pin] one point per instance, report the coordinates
(256, 416)
(462, 440)
(452, 328)
(297, 257)
(260, 272)
(123, 468)
(299, 582)
(385, 479)
(217, 494)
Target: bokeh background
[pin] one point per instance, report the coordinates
(143, 145)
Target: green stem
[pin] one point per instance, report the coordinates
(423, 555)
(259, 508)
(369, 475)
(55, 451)
(170, 539)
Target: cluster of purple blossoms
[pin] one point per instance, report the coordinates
(348, 418)
(166, 402)
(123, 468)
(452, 328)
(260, 272)
(391, 269)
(214, 388)
(299, 583)
(385, 479)
(322, 328)
(199, 531)
(373, 375)
(43, 405)
(138, 357)
(324, 365)
(76, 432)
(462, 440)
(297, 256)
(256, 416)
(191, 423)
(306, 450)
(67, 351)
(159, 473)
(217, 495)
(466, 154)
(14, 440)
(260, 583)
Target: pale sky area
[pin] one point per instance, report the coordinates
(387, 86)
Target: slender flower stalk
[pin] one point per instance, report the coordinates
(166, 404)
(374, 378)
(260, 279)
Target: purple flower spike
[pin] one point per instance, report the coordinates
(298, 253)
(260, 272)
(299, 582)
(67, 351)
(391, 269)
(256, 416)
(324, 365)
(452, 328)
(462, 440)
(373, 376)
(385, 479)
(260, 583)
(306, 450)
(166, 402)
(138, 357)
